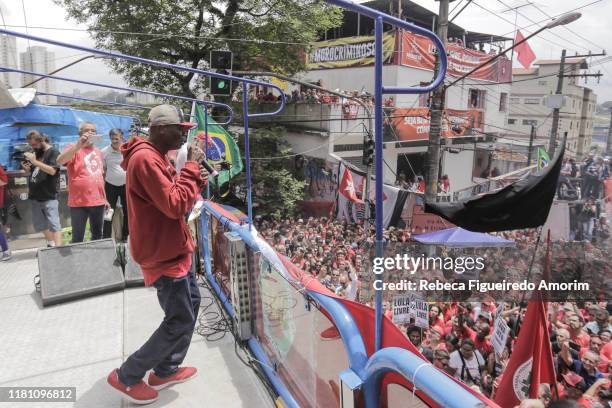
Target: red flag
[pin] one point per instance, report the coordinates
(531, 362)
(524, 52)
(347, 188)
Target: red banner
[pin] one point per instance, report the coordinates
(418, 52)
(423, 223)
(413, 123)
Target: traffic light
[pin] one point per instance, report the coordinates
(368, 151)
(221, 60)
(219, 86)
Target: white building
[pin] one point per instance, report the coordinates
(8, 59)
(529, 105)
(477, 107)
(38, 59)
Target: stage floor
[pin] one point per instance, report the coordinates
(77, 344)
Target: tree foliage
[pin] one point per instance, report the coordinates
(276, 192)
(184, 32)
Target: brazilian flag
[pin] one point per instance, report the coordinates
(221, 149)
(543, 158)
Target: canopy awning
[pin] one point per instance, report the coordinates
(461, 238)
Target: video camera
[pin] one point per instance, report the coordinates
(19, 152)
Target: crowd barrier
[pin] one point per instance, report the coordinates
(291, 317)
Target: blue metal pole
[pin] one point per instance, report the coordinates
(247, 150)
(378, 161)
(206, 146)
(155, 63)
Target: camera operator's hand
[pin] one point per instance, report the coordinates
(27, 166)
(195, 154)
(83, 140)
(31, 157)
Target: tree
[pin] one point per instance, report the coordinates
(276, 192)
(263, 34)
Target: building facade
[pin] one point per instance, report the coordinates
(476, 108)
(530, 105)
(8, 59)
(38, 59)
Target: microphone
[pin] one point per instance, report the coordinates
(209, 168)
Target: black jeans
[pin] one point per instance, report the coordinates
(78, 218)
(167, 347)
(112, 194)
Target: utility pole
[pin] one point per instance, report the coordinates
(555, 119)
(531, 137)
(609, 142)
(436, 110)
(552, 144)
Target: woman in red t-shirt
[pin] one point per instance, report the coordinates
(6, 254)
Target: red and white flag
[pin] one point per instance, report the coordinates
(347, 187)
(525, 54)
(531, 362)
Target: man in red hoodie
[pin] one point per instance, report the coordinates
(160, 242)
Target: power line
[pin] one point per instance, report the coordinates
(557, 15)
(551, 32)
(512, 23)
(163, 35)
(566, 27)
(25, 20)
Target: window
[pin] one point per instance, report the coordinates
(503, 102)
(476, 98)
(514, 101)
(532, 101)
(573, 104)
(529, 122)
(542, 83)
(571, 124)
(511, 121)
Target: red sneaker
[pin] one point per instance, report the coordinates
(330, 334)
(182, 374)
(139, 393)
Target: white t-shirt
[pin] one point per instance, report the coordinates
(473, 365)
(115, 174)
(351, 287)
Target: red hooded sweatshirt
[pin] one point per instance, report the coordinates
(158, 200)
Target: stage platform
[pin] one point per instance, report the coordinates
(78, 343)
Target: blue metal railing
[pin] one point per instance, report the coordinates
(436, 385)
(244, 81)
(379, 91)
(128, 89)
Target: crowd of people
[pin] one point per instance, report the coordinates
(458, 339)
(583, 186)
(96, 186)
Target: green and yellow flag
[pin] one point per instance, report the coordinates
(543, 158)
(221, 149)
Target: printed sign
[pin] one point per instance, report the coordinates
(402, 309)
(347, 52)
(413, 123)
(500, 335)
(406, 307)
(421, 311)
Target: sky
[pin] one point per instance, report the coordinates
(591, 32)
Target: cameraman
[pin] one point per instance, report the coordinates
(44, 173)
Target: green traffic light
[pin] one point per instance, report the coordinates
(221, 85)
